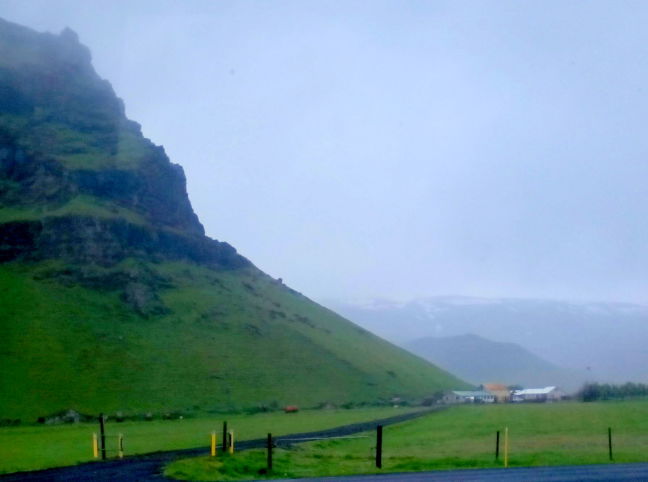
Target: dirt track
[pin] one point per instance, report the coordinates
(150, 466)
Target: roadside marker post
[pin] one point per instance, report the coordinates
(213, 444)
(379, 430)
(95, 446)
(506, 447)
(610, 443)
(120, 445)
(269, 446)
(231, 442)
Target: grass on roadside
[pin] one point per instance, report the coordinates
(462, 437)
(40, 447)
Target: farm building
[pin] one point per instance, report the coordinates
(477, 396)
(500, 391)
(546, 394)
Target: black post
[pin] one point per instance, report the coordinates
(497, 446)
(224, 437)
(102, 436)
(610, 442)
(269, 443)
(379, 446)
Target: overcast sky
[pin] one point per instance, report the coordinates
(396, 148)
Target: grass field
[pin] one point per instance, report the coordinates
(461, 437)
(39, 447)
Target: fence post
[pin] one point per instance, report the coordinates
(225, 437)
(269, 445)
(610, 443)
(102, 434)
(379, 446)
(213, 444)
(506, 446)
(120, 446)
(497, 443)
(95, 446)
(231, 442)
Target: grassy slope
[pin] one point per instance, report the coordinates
(462, 437)
(40, 447)
(232, 340)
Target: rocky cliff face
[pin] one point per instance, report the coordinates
(78, 181)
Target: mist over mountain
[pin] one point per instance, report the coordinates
(480, 361)
(474, 147)
(606, 341)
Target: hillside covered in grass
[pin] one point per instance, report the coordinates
(111, 296)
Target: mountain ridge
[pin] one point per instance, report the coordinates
(601, 340)
(480, 360)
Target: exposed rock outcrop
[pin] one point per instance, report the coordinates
(78, 181)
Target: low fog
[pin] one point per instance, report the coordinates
(363, 149)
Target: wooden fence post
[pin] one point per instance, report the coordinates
(497, 443)
(610, 443)
(269, 446)
(225, 437)
(379, 430)
(102, 435)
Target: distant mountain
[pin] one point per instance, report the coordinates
(479, 361)
(111, 296)
(605, 340)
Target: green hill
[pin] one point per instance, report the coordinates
(111, 296)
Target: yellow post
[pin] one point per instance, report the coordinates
(95, 446)
(231, 447)
(213, 444)
(120, 445)
(506, 447)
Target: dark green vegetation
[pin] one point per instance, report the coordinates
(592, 392)
(111, 297)
(461, 437)
(479, 360)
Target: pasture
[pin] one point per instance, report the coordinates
(39, 447)
(461, 437)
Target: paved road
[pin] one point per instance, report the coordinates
(580, 473)
(150, 466)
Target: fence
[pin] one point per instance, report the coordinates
(507, 446)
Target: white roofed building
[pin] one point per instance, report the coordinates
(546, 394)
